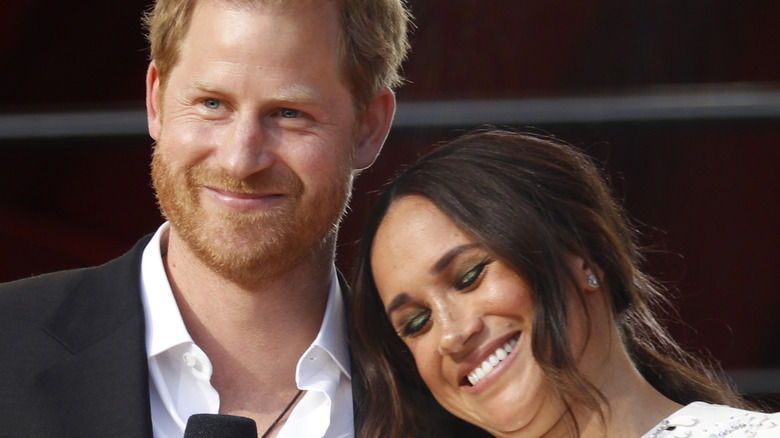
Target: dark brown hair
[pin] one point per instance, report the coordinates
(529, 201)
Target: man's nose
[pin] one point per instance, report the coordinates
(246, 149)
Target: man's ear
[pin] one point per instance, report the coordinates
(153, 95)
(374, 129)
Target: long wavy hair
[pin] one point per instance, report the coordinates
(529, 201)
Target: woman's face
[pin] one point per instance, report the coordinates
(465, 316)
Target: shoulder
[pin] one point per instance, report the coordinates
(39, 292)
(705, 419)
(43, 292)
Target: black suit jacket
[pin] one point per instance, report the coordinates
(73, 354)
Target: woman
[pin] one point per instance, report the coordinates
(499, 272)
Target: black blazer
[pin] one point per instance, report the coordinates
(73, 354)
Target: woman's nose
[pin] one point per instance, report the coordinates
(458, 330)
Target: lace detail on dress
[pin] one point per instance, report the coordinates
(683, 426)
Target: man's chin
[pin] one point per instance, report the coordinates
(246, 253)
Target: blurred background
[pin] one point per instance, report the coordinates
(678, 100)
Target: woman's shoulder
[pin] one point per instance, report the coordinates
(701, 419)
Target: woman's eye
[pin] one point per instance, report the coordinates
(288, 113)
(471, 276)
(416, 324)
(212, 103)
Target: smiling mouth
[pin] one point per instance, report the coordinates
(494, 359)
(245, 201)
(239, 194)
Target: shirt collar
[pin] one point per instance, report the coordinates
(331, 339)
(165, 328)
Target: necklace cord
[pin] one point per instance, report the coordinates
(284, 412)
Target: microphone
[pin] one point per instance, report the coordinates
(220, 426)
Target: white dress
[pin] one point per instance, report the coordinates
(704, 420)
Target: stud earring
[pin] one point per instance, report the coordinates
(593, 281)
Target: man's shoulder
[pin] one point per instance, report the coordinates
(31, 298)
(50, 280)
(69, 339)
(36, 292)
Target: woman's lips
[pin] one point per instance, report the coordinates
(486, 367)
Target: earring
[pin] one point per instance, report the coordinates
(593, 281)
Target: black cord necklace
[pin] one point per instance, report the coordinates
(279, 418)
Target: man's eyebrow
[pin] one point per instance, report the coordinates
(397, 302)
(297, 93)
(205, 86)
(447, 258)
(294, 94)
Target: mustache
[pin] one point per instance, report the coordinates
(274, 180)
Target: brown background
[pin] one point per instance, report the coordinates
(703, 189)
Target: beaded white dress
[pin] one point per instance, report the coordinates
(704, 420)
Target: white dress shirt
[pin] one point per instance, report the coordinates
(180, 372)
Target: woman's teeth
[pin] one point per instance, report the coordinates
(494, 359)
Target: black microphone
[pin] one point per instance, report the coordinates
(220, 426)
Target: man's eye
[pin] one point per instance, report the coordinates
(416, 324)
(288, 113)
(211, 103)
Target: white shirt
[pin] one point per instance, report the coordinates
(180, 372)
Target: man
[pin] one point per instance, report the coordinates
(262, 112)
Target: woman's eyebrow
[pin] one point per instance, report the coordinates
(397, 302)
(440, 265)
(447, 258)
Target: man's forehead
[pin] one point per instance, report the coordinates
(278, 5)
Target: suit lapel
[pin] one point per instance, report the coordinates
(100, 385)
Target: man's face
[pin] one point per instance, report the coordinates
(255, 138)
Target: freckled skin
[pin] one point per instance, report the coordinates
(412, 238)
